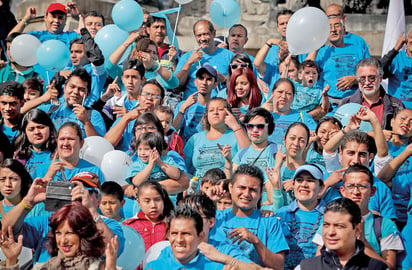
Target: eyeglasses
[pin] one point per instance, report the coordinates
(146, 128)
(260, 127)
(371, 79)
(236, 65)
(154, 96)
(360, 187)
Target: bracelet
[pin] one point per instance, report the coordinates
(269, 45)
(96, 219)
(343, 131)
(25, 205)
(236, 130)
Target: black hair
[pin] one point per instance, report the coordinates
(213, 176)
(34, 83)
(238, 25)
(242, 58)
(205, 120)
(143, 119)
(283, 12)
(151, 19)
(359, 168)
(22, 144)
(12, 36)
(18, 168)
(201, 203)
(249, 170)
(325, 119)
(300, 124)
(359, 137)
(261, 112)
(94, 13)
(134, 64)
(282, 80)
(113, 188)
(167, 203)
(76, 41)
(74, 126)
(157, 84)
(309, 63)
(345, 206)
(154, 140)
(83, 75)
(186, 212)
(12, 88)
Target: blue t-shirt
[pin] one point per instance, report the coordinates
(166, 260)
(337, 62)
(35, 231)
(282, 122)
(219, 59)
(306, 98)
(314, 157)
(191, 121)
(400, 79)
(43, 158)
(11, 133)
(300, 227)
(82, 166)
(64, 37)
(401, 183)
(64, 114)
(202, 154)
(407, 241)
(267, 229)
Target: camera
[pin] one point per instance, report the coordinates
(58, 193)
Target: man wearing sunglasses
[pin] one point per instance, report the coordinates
(379, 234)
(371, 94)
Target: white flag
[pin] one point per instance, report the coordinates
(395, 25)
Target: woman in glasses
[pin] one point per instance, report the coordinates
(222, 135)
(261, 153)
(243, 92)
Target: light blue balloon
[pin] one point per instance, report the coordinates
(134, 249)
(53, 55)
(344, 112)
(127, 15)
(109, 38)
(224, 13)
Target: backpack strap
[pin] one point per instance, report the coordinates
(377, 226)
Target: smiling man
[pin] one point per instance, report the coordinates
(261, 238)
(341, 227)
(207, 52)
(55, 21)
(11, 100)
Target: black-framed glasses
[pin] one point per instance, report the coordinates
(236, 65)
(371, 79)
(259, 127)
(360, 187)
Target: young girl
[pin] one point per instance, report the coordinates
(153, 162)
(243, 92)
(155, 207)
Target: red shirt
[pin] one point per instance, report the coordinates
(376, 107)
(161, 50)
(150, 232)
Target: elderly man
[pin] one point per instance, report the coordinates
(207, 52)
(337, 62)
(371, 94)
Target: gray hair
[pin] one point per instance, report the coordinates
(371, 61)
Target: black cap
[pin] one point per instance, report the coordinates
(135, 64)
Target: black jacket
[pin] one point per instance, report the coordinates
(391, 106)
(329, 260)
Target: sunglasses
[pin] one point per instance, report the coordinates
(371, 79)
(236, 65)
(259, 127)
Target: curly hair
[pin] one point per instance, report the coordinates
(82, 224)
(22, 143)
(255, 96)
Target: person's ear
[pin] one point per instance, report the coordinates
(212, 222)
(201, 236)
(122, 203)
(373, 190)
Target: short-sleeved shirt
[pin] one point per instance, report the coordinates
(400, 79)
(282, 122)
(219, 59)
(65, 114)
(267, 229)
(300, 227)
(167, 260)
(202, 154)
(306, 98)
(43, 158)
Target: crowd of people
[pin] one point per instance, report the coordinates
(238, 161)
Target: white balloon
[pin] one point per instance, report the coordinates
(307, 30)
(154, 251)
(94, 148)
(115, 165)
(182, 2)
(23, 50)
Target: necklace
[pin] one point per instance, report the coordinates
(296, 233)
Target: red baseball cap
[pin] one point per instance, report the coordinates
(88, 179)
(56, 7)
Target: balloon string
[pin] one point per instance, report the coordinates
(177, 18)
(48, 80)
